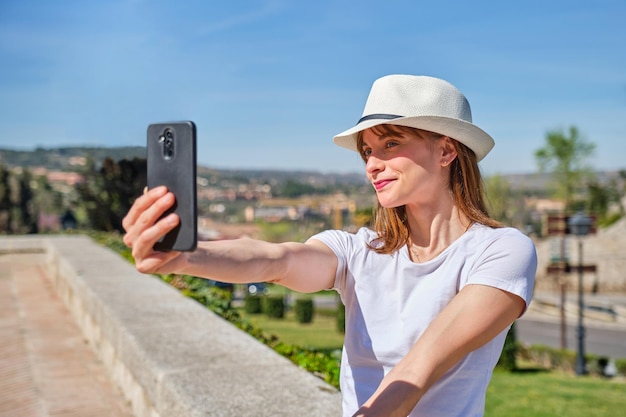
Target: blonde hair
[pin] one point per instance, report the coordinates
(465, 184)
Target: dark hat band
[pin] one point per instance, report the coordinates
(383, 116)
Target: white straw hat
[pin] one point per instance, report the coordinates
(420, 102)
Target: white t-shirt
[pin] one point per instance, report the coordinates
(390, 301)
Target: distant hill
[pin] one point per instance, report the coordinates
(70, 158)
(62, 159)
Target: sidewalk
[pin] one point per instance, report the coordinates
(46, 368)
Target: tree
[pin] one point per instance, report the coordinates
(564, 155)
(25, 204)
(5, 201)
(498, 197)
(107, 193)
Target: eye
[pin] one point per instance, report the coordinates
(391, 144)
(366, 152)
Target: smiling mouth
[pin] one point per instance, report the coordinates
(379, 185)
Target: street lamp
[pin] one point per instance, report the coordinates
(580, 225)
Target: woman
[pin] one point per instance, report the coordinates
(430, 292)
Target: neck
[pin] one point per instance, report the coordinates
(432, 231)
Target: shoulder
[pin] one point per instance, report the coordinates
(502, 237)
(340, 240)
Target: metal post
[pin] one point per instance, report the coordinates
(580, 225)
(581, 368)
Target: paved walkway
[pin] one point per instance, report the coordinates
(46, 368)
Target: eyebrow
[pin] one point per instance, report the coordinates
(382, 137)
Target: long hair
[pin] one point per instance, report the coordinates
(465, 184)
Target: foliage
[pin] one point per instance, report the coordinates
(341, 317)
(252, 304)
(620, 364)
(363, 217)
(604, 198)
(509, 352)
(273, 306)
(5, 201)
(293, 189)
(565, 155)
(27, 215)
(288, 231)
(22, 198)
(304, 310)
(107, 193)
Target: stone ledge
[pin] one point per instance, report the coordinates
(168, 354)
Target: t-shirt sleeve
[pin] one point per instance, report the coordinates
(508, 263)
(339, 242)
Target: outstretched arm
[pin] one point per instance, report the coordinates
(305, 267)
(474, 316)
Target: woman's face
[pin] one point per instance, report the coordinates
(405, 167)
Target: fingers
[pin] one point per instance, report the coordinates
(140, 205)
(144, 227)
(143, 223)
(143, 242)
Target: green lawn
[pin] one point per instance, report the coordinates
(321, 333)
(552, 394)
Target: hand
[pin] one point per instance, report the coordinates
(143, 229)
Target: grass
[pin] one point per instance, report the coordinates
(321, 333)
(549, 394)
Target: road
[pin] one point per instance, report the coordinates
(599, 340)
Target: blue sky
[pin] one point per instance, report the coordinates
(269, 82)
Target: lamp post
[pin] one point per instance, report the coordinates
(580, 225)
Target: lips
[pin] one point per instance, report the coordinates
(379, 185)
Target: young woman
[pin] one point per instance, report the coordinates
(430, 291)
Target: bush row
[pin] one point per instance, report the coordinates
(274, 306)
(565, 360)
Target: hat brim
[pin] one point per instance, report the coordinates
(467, 133)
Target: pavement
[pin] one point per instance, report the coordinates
(46, 367)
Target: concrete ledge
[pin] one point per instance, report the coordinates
(170, 355)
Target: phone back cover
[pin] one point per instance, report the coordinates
(178, 174)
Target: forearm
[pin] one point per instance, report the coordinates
(236, 261)
(474, 317)
(301, 267)
(404, 386)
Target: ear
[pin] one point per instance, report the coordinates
(448, 151)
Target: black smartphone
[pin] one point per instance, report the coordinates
(171, 159)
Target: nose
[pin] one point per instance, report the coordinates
(374, 164)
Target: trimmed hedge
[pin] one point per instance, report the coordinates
(274, 306)
(341, 317)
(304, 310)
(509, 351)
(252, 304)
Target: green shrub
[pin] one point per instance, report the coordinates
(252, 304)
(551, 358)
(274, 306)
(341, 317)
(509, 351)
(304, 310)
(620, 364)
